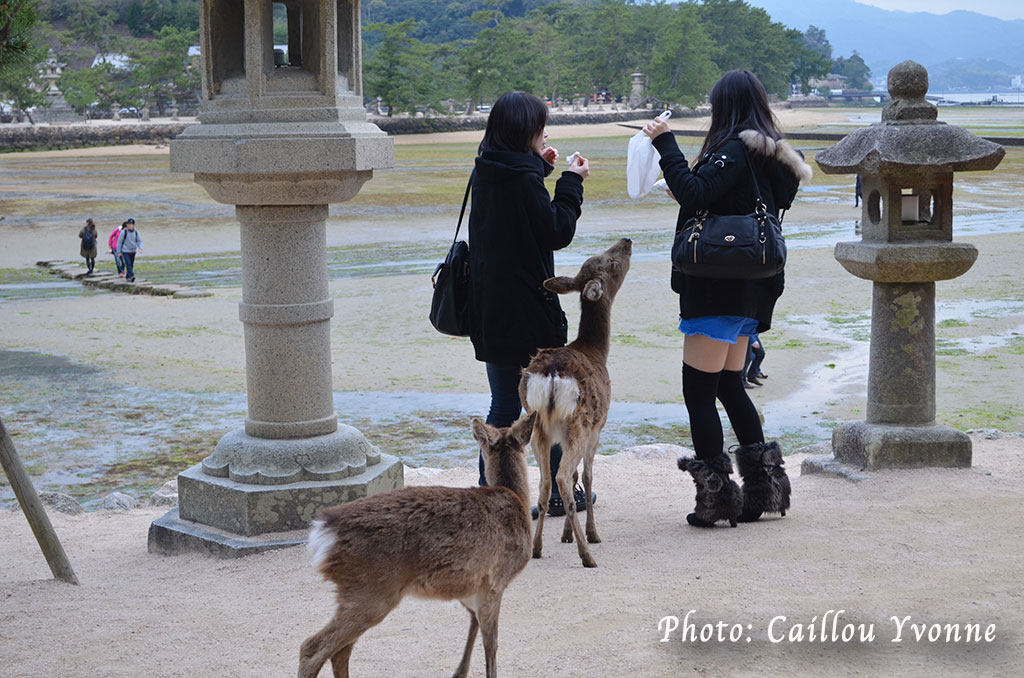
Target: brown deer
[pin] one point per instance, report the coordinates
(569, 389)
(444, 543)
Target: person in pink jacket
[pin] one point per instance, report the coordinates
(115, 235)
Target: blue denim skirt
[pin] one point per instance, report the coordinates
(725, 328)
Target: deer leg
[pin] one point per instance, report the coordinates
(542, 453)
(565, 488)
(463, 670)
(335, 640)
(567, 535)
(489, 629)
(588, 478)
(339, 662)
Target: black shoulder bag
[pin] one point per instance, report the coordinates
(449, 307)
(736, 247)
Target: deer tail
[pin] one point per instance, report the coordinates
(555, 397)
(321, 542)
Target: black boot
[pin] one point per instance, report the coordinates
(718, 497)
(765, 483)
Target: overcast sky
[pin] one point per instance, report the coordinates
(1003, 9)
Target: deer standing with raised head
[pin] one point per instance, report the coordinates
(444, 543)
(569, 390)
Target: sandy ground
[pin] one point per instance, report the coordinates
(938, 546)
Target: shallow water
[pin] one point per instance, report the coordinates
(133, 439)
(401, 258)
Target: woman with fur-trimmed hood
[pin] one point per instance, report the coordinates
(718, 317)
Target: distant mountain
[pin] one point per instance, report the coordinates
(884, 37)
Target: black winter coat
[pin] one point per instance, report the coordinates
(721, 184)
(514, 228)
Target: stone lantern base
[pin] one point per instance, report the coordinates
(886, 446)
(228, 519)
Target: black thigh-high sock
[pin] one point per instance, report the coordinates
(699, 390)
(746, 423)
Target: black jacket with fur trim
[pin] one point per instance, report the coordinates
(514, 228)
(720, 183)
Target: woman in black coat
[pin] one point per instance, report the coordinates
(514, 228)
(719, 316)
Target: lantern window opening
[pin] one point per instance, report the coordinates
(286, 22)
(226, 46)
(349, 46)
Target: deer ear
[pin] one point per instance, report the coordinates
(485, 434)
(523, 429)
(561, 285)
(593, 290)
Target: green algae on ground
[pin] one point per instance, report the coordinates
(146, 471)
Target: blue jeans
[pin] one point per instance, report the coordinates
(129, 264)
(118, 261)
(506, 408)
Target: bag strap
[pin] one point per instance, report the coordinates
(462, 212)
(746, 156)
(759, 202)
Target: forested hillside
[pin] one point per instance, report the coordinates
(419, 53)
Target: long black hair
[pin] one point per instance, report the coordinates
(514, 122)
(739, 102)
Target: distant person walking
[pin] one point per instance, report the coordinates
(752, 369)
(115, 235)
(128, 245)
(858, 191)
(89, 249)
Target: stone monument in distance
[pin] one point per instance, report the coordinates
(281, 140)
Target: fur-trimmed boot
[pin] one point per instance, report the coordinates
(765, 483)
(718, 496)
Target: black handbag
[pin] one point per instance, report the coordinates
(449, 306)
(736, 247)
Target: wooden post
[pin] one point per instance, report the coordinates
(34, 511)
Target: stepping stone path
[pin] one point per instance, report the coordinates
(111, 281)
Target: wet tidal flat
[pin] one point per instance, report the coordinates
(105, 391)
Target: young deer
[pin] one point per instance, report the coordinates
(445, 543)
(569, 389)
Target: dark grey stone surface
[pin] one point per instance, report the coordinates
(278, 461)
(901, 373)
(118, 501)
(249, 510)
(827, 465)
(169, 535)
(880, 446)
(906, 262)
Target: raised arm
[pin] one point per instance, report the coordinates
(554, 219)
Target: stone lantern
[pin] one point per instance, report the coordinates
(636, 92)
(280, 141)
(906, 163)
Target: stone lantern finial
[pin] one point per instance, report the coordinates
(908, 84)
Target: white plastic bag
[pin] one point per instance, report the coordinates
(642, 167)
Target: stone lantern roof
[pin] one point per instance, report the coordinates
(909, 140)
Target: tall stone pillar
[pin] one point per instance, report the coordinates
(636, 93)
(280, 142)
(907, 163)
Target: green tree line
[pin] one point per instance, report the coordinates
(423, 52)
(566, 49)
(155, 72)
